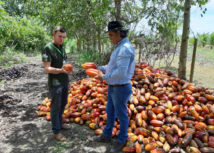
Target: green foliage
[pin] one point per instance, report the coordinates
(70, 45)
(10, 57)
(191, 41)
(212, 40)
(26, 34)
(203, 39)
(14, 7)
(88, 56)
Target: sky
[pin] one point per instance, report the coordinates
(198, 24)
(203, 24)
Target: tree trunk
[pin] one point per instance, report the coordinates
(99, 43)
(140, 50)
(88, 43)
(102, 48)
(78, 45)
(118, 9)
(184, 42)
(94, 42)
(83, 44)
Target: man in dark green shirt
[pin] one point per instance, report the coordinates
(54, 57)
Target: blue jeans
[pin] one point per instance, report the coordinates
(117, 107)
(58, 95)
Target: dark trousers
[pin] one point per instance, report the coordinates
(58, 95)
(117, 107)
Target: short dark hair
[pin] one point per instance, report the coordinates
(123, 34)
(59, 28)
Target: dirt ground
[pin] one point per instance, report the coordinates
(21, 131)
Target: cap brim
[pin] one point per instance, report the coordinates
(119, 30)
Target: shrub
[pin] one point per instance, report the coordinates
(26, 34)
(212, 40)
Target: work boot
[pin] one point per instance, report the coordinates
(65, 126)
(118, 147)
(102, 138)
(60, 137)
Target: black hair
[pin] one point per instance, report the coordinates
(123, 34)
(59, 28)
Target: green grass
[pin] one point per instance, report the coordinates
(208, 53)
(2, 82)
(10, 57)
(204, 54)
(67, 51)
(58, 148)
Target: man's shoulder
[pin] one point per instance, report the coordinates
(47, 46)
(127, 45)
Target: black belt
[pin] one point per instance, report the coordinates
(119, 85)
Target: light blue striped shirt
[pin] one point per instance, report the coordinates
(120, 68)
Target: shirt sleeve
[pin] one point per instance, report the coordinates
(102, 68)
(123, 60)
(46, 56)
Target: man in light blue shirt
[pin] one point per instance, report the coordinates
(117, 75)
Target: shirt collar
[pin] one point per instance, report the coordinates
(123, 40)
(60, 46)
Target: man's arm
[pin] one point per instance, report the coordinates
(49, 69)
(122, 62)
(102, 68)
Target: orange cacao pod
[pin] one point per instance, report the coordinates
(138, 148)
(92, 72)
(129, 149)
(158, 150)
(156, 123)
(89, 65)
(150, 146)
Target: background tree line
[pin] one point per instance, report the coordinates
(27, 26)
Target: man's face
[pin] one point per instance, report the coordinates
(59, 37)
(114, 37)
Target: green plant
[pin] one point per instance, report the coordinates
(70, 45)
(26, 34)
(203, 38)
(212, 40)
(89, 56)
(10, 57)
(60, 147)
(2, 82)
(191, 41)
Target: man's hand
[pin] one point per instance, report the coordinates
(64, 71)
(99, 76)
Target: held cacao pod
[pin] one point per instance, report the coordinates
(68, 67)
(89, 65)
(92, 72)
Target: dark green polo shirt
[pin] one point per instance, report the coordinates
(50, 54)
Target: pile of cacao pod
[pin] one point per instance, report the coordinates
(166, 114)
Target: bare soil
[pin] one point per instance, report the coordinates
(21, 131)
